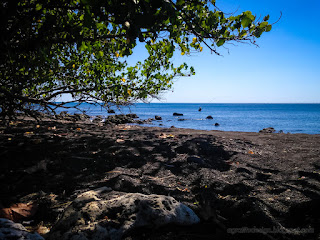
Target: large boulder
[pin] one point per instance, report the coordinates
(12, 230)
(90, 217)
(132, 115)
(119, 119)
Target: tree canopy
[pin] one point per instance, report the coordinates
(80, 47)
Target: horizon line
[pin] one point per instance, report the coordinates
(217, 102)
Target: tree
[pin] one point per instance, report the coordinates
(80, 47)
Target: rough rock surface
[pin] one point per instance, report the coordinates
(132, 115)
(97, 119)
(12, 231)
(111, 219)
(119, 119)
(268, 130)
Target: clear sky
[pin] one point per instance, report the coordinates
(284, 69)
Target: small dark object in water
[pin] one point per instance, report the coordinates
(111, 111)
(157, 117)
(177, 114)
(209, 117)
(217, 124)
(199, 109)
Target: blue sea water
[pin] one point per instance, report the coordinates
(293, 118)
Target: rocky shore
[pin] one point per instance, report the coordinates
(81, 179)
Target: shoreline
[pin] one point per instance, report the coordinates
(150, 122)
(294, 118)
(231, 180)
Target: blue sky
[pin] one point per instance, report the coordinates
(284, 69)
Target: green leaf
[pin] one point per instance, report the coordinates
(83, 47)
(263, 24)
(38, 7)
(246, 22)
(266, 18)
(268, 28)
(249, 15)
(220, 42)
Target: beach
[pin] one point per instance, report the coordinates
(241, 185)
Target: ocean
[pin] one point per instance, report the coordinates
(290, 118)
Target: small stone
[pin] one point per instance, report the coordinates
(209, 117)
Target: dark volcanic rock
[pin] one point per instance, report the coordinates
(267, 130)
(64, 115)
(157, 117)
(177, 114)
(81, 117)
(209, 117)
(11, 230)
(111, 111)
(149, 120)
(120, 119)
(132, 115)
(217, 124)
(97, 119)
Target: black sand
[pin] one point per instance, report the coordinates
(266, 185)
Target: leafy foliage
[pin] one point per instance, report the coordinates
(80, 47)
